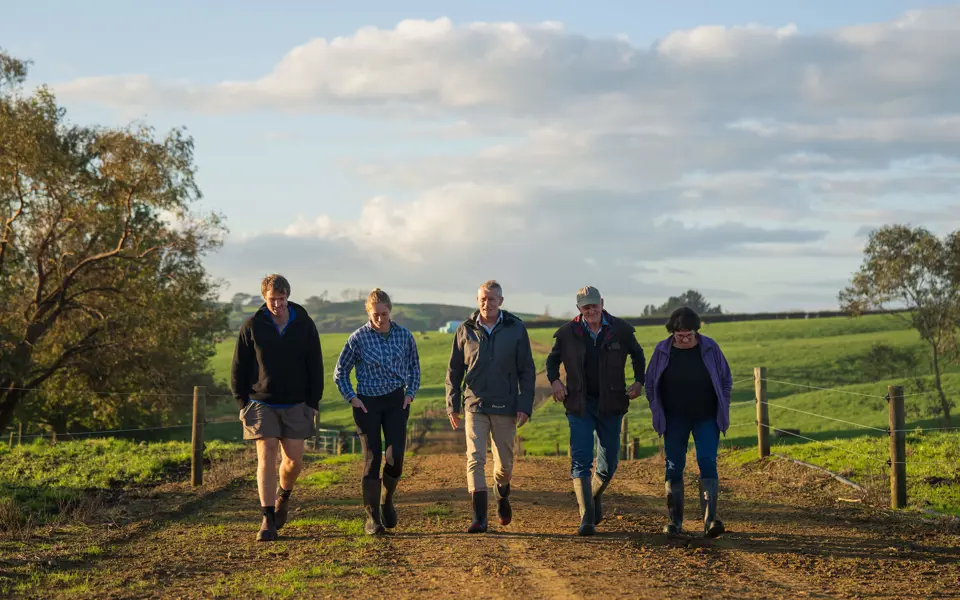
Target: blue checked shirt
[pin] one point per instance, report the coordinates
(382, 365)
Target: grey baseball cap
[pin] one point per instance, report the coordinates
(588, 295)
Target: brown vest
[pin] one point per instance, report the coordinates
(613, 351)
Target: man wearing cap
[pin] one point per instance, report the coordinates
(593, 350)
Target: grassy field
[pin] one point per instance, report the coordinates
(933, 465)
(40, 480)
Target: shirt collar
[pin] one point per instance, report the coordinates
(499, 319)
(369, 325)
(290, 310)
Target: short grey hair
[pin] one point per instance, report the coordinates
(490, 285)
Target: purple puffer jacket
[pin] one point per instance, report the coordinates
(719, 373)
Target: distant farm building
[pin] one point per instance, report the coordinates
(449, 327)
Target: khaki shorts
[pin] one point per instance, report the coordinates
(261, 421)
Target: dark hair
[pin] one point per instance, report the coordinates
(683, 318)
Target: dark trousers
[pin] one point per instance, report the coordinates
(706, 438)
(591, 431)
(384, 413)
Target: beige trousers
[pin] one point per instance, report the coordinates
(479, 428)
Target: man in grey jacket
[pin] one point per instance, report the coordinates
(491, 353)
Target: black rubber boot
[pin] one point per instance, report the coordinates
(371, 504)
(479, 524)
(388, 511)
(268, 527)
(674, 507)
(598, 489)
(581, 486)
(709, 491)
(504, 512)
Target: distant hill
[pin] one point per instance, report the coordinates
(343, 317)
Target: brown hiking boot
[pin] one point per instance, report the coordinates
(268, 528)
(282, 507)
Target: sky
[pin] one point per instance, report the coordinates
(743, 148)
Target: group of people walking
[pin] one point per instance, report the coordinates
(278, 381)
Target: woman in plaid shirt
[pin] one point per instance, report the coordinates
(388, 377)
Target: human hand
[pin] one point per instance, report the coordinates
(406, 401)
(358, 403)
(455, 420)
(635, 390)
(522, 418)
(559, 391)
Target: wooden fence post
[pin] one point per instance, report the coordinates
(623, 438)
(353, 444)
(557, 453)
(316, 437)
(11, 438)
(199, 411)
(763, 416)
(20, 434)
(635, 448)
(898, 448)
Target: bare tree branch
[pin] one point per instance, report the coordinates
(82, 346)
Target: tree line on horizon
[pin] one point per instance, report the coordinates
(109, 317)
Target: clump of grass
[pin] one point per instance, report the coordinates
(343, 459)
(321, 479)
(437, 511)
(347, 526)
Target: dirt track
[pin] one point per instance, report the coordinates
(790, 537)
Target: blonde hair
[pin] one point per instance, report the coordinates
(491, 285)
(276, 283)
(377, 296)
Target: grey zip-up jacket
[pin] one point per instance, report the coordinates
(492, 374)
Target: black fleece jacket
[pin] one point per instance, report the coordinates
(277, 369)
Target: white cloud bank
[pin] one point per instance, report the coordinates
(708, 148)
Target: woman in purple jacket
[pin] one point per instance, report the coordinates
(688, 384)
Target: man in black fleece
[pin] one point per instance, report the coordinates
(277, 380)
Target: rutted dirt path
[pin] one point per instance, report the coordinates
(789, 537)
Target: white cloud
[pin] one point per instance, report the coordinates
(539, 70)
(712, 143)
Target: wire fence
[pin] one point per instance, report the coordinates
(880, 459)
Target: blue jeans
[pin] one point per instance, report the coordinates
(706, 439)
(582, 432)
